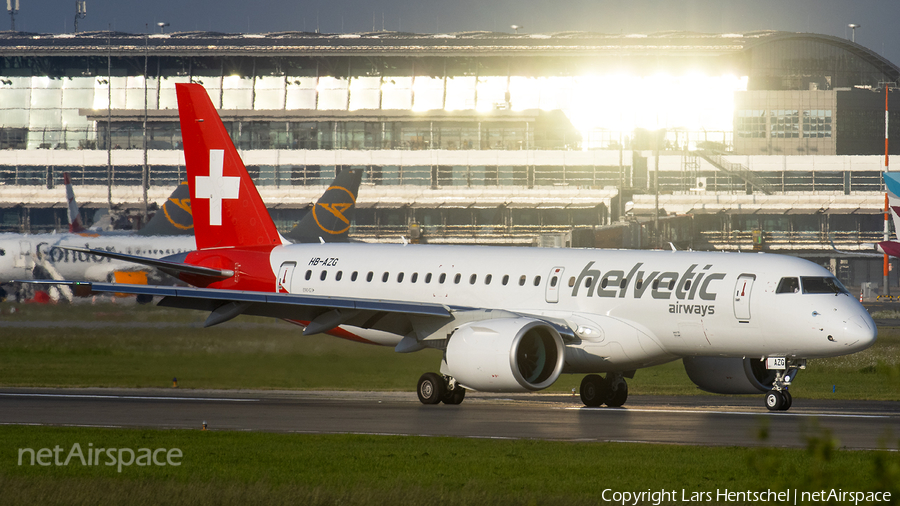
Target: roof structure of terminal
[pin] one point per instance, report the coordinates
(395, 43)
(689, 47)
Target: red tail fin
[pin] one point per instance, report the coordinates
(227, 209)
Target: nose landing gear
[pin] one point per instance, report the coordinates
(778, 398)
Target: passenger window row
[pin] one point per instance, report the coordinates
(488, 279)
(414, 277)
(604, 282)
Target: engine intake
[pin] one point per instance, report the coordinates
(505, 355)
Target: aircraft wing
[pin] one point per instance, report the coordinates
(323, 312)
(860, 254)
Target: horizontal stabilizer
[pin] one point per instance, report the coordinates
(171, 268)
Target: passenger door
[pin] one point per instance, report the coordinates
(742, 296)
(24, 259)
(285, 273)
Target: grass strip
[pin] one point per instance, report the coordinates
(107, 345)
(259, 468)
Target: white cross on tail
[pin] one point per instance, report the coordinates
(216, 186)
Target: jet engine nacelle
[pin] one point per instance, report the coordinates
(505, 355)
(722, 375)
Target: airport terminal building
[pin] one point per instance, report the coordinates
(768, 141)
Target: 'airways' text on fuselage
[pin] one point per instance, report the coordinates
(661, 285)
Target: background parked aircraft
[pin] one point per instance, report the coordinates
(43, 256)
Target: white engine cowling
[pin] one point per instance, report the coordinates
(722, 375)
(505, 355)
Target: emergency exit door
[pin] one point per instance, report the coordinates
(554, 280)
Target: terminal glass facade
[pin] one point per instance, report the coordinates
(423, 115)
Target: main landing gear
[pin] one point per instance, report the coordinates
(611, 390)
(778, 398)
(434, 389)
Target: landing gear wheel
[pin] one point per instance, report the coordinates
(619, 396)
(778, 398)
(454, 396)
(788, 400)
(431, 388)
(775, 400)
(594, 390)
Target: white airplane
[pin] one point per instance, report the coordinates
(507, 320)
(44, 256)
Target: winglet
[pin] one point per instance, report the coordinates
(226, 206)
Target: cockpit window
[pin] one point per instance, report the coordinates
(2, 252)
(788, 285)
(822, 285)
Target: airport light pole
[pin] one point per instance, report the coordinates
(657, 243)
(621, 180)
(109, 169)
(145, 171)
(80, 11)
(853, 27)
(13, 7)
(887, 208)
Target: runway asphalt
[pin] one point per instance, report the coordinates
(693, 420)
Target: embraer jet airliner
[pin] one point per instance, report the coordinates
(507, 320)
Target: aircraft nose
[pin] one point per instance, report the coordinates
(860, 332)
